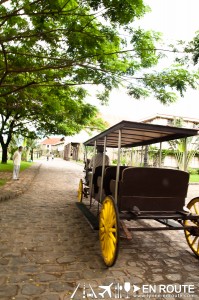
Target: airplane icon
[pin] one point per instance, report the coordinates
(106, 288)
(135, 288)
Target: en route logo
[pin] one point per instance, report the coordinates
(122, 291)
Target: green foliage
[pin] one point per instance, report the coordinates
(51, 50)
(193, 171)
(191, 144)
(194, 178)
(144, 46)
(193, 48)
(66, 44)
(121, 12)
(163, 83)
(137, 92)
(8, 167)
(123, 162)
(2, 181)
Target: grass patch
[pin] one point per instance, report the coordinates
(25, 165)
(194, 178)
(2, 181)
(9, 166)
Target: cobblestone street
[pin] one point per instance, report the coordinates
(48, 249)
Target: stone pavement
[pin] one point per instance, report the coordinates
(14, 188)
(47, 248)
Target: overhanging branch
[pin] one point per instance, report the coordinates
(17, 89)
(6, 64)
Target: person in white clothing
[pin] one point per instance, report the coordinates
(97, 159)
(17, 162)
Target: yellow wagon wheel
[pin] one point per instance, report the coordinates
(109, 231)
(192, 236)
(80, 190)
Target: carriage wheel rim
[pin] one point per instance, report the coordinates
(193, 240)
(80, 191)
(108, 231)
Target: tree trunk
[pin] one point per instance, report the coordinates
(4, 154)
(4, 145)
(31, 154)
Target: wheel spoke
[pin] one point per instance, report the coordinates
(196, 210)
(102, 235)
(194, 240)
(108, 231)
(192, 234)
(102, 229)
(108, 211)
(112, 229)
(105, 246)
(112, 246)
(112, 237)
(102, 221)
(113, 222)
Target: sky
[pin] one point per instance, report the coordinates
(177, 20)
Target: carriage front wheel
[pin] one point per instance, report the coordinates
(80, 191)
(192, 236)
(109, 231)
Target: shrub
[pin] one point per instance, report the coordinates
(193, 171)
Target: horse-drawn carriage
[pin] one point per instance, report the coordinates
(137, 193)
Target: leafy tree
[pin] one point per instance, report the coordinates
(56, 113)
(50, 50)
(193, 49)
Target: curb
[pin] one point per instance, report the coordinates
(12, 189)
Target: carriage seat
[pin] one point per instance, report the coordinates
(110, 173)
(152, 189)
(97, 174)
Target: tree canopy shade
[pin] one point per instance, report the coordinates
(50, 50)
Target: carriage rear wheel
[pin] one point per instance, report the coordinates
(109, 231)
(80, 190)
(192, 236)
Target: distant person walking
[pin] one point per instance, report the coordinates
(47, 156)
(17, 162)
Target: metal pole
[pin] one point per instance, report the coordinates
(160, 156)
(146, 156)
(118, 165)
(103, 169)
(86, 165)
(185, 156)
(91, 183)
(85, 155)
(141, 156)
(131, 157)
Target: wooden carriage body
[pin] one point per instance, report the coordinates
(132, 193)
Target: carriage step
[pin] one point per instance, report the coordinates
(127, 233)
(90, 217)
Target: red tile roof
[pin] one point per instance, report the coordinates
(52, 141)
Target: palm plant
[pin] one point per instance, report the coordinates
(184, 149)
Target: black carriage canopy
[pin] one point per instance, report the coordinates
(139, 134)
